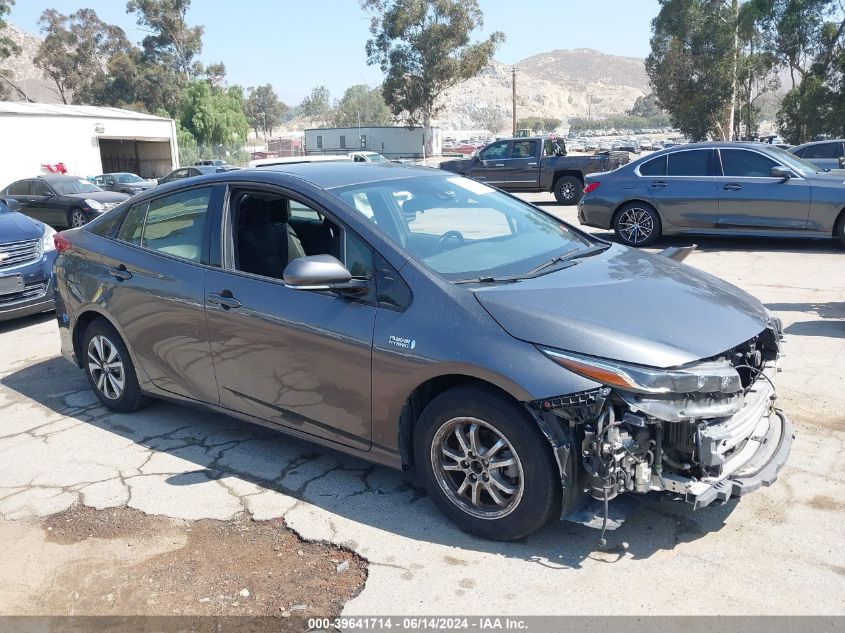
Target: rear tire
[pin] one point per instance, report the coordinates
(839, 230)
(76, 218)
(109, 368)
(502, 455)
(568, 190)
(637, 224)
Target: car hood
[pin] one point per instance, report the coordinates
(100, 196)
(628, 305)
(16, 227)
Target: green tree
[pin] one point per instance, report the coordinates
(171, 42)
(8, 47)
(317, 107)
(263, 109)
(73, 50)
(361, 105)
(491, 118)
(540, 125)
(214, 116)
(694, 62)
(646, 107)
(424, 47)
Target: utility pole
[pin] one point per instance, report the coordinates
(514, 100)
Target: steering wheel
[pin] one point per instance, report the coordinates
(448, 235)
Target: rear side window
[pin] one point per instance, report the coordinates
(20, 188)
(689, 163)
(743, 164)
(823, 150)
(524, 149)
(656, 167)
(175, 224)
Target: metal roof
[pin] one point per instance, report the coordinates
(13, 108)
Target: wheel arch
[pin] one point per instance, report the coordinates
(560, 173)
(837, 222)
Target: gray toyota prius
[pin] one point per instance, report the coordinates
(426, 321)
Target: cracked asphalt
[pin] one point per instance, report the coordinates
(775, 552)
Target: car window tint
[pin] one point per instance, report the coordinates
(107, 223)
(689, 163)
(524, 149)
(40, 189)
(19, 188)
(496, 151)
(133, 224)
(358, 257)
(744, 164)
(301, 211)
(655, 167)
(822, 150)
(176, 224)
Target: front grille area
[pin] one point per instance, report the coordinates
(30, 291)
(17, 253)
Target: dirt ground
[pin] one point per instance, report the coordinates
(122, 561)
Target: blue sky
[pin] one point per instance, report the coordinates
(298, 44)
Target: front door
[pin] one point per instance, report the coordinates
(298, 358)
(491, 166)
(156, 275)
(48, 205)
(683, 187)
(750, 198)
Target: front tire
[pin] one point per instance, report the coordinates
(76, 218)
(485, 463)
(839, 231)
(109, 368)
(637, 224)
(568, 190)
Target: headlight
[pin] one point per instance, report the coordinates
(97, 206)
(47, 243)
(706, 377)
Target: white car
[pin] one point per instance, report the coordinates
(367, 157)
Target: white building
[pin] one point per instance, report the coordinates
(391, 142)
(87, 140)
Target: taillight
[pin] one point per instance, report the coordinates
(61, 242)
(591, 187)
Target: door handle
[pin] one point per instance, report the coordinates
(532, 164)
(224, 299)
(732, 186)
(659, 184)
(499, 165)
(120, 273)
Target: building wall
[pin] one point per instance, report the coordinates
(392, 142)
(32, 140)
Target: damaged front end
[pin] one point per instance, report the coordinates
(707, 431)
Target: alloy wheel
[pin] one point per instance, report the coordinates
(77, 219)
(106, 367)
(477, 468)
(567, 190)
(636, 225)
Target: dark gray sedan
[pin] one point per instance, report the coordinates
(426, 321)
(737, 189)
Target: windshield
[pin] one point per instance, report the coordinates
(126, 178)
(377, 158)
(70, 187)
(792, 161)
(461, 228)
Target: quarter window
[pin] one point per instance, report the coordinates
(689, 163)
(740, 163)
(655, 167)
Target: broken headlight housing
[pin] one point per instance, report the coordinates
(715, 376)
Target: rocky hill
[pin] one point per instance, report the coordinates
(23, 72)
(557, 84)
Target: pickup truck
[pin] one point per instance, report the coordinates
(535, 164)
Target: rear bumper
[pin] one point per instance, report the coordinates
(598, 216)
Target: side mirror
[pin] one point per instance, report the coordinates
(321, 272)
(842, 162)
(779, 171)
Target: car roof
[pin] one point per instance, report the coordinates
(812, 143)
(332, 175)
(56, 178)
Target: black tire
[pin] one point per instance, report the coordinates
(568, 190)
(72, 214)
(637, 224)
(839, 229)
(130, 397)
(539, 492)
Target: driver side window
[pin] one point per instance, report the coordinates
(496, 151)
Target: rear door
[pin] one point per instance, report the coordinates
(492, 164)
(522, 169)
(750, 198)
(156, 290)
(21, 191)
(683, 187)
